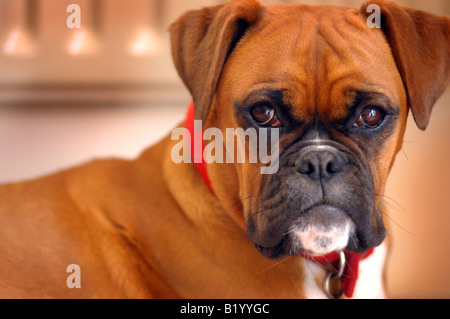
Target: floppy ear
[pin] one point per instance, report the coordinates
(201, 42)
(420, 44)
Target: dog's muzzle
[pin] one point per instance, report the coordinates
(321, 200)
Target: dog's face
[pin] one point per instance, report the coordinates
(339, 104)
(337, 91)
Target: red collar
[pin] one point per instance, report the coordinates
(331, 261)
(197, 150)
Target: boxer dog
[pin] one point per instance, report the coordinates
(337, 91)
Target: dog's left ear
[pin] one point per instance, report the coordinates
(420, 44)
(201, 42)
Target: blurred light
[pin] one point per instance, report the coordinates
(145, 42)
(19, 42)
(82, 42)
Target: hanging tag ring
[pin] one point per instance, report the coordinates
(333, 274)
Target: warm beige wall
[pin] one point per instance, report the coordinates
(418, 194)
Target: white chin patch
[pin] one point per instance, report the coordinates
(318, 240)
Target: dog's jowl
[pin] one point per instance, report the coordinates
(334, 94)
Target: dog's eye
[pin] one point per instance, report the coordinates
(264, 115)
(371, 117)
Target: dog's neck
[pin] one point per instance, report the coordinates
(199, 164)
(330, 261)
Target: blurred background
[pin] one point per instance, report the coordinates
(109, 89)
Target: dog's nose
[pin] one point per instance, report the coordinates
(320, 163)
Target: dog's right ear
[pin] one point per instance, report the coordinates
(420, 44)
(201, 42)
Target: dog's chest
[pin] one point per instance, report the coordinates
(368, 286)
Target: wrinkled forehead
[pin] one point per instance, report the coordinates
(321, 33)
(315, 54)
